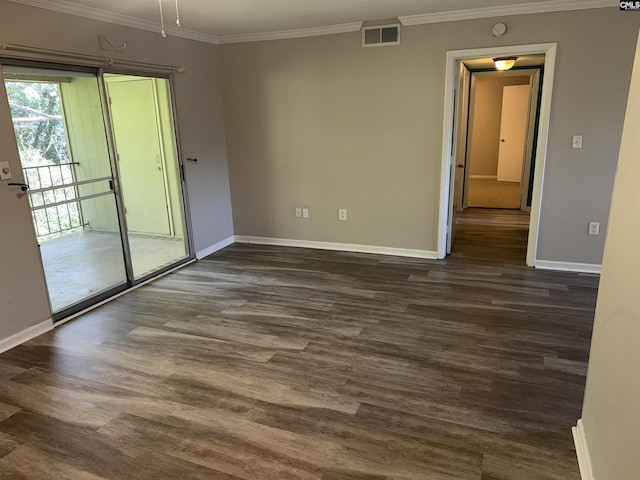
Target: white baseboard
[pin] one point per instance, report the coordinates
(582, 451)
(568, 266)
(483, 177)
(345, 247)
(215, 247)
(25, 335)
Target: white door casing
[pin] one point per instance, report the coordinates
(453, 56)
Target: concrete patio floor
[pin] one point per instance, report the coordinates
(82, 264)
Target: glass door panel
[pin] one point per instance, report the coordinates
(59, 128)
(142, 122)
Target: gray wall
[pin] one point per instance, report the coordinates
(612, 398)
(22, 292)
(323, 123)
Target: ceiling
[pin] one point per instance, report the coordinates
(217, 19)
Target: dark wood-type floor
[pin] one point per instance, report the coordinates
(279, 363)
(494, 234)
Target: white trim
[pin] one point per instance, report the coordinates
(506, 10)
(71, 8)
(124, 292)
(285, 34)
(344, 247)
(483, 177)
(25, 335)
(568, 266)
(215, 247)
(582, 451)
(549, 49)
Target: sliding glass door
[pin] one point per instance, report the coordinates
(65, 160)
(104, 182)
(142, 120)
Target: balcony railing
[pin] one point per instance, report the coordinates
(53, 199)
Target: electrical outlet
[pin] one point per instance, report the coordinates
(305, 213)
(594, 228)
(298, 212)
(342, 214)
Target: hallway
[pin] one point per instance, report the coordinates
(492, 234)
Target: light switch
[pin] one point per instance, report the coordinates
(576, 141)
(5, 171)
(305, 213)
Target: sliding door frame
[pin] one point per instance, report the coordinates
(183, 181)
(130, 281)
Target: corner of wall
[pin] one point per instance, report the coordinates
(582, 451)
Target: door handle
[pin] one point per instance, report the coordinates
(23, 186)
(459, 166)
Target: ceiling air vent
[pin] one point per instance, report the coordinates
(381, 35)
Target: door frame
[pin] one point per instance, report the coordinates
(453, 56)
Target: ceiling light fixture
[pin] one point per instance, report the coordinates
(505, 63)
(163, 32)
(177, 15)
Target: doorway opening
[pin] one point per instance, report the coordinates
(76, 188)
(492, 220)
(496, 128)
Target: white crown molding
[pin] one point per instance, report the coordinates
(343, 247)
(285, 34)
(215, 247)
(568, 266)
(582, 451)
(69, 8)
(25, 335)
(64, 6)
(506, 10)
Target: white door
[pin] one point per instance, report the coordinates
(140, 163)
(458, 152)
(513, 131)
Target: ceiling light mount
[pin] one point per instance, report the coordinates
(163, 31)
(504, 63)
